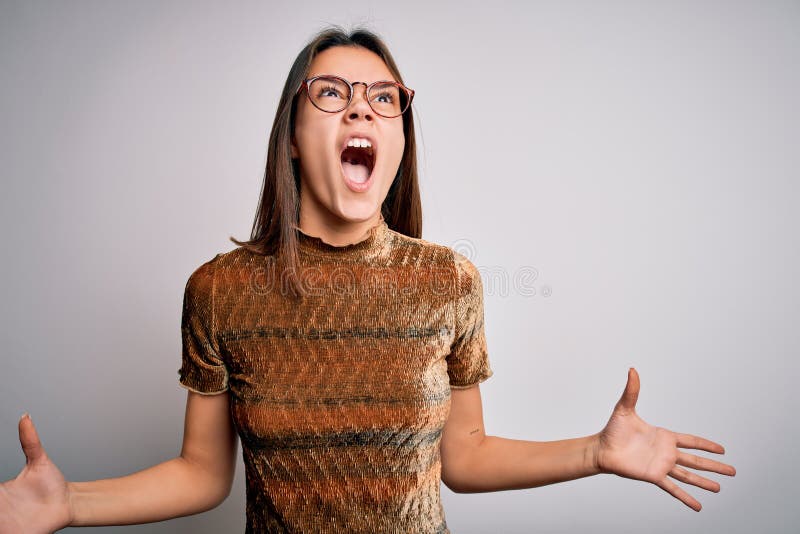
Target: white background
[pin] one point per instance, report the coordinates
(642, 157)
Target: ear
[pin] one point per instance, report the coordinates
(295, 153)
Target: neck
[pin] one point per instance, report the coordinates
(336, 231)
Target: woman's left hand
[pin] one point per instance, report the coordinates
(631, 448)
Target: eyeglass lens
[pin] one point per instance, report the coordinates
(332, 94)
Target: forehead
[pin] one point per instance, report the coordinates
(355, 63)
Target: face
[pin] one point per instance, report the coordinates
(327, 197)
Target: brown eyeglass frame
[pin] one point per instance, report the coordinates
(308, 81)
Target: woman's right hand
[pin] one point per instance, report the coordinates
(37, 500)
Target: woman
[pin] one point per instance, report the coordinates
(342, 348)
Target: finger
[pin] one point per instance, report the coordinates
(678, 473)
(29, 439)
(704, 464)
(631, 393)
(688, 441)
(676, 491)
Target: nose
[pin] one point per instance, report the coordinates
(359, 104)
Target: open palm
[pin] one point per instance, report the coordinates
(632, 448)
(37, 500)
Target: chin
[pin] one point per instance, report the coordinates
(357, 210)
(360, 206)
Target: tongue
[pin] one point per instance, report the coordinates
(357, 173)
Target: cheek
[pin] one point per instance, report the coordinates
(312, 134)
(397, 147)
(314, 151)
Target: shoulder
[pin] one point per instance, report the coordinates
(464, 274)
(421, 250)
(468, 277)
(234, 257)
(207, 274)
(225, 262)
(199, 290)
(201, 279)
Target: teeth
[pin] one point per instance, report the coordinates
(359, 143)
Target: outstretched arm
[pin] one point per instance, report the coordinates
(627, 446)
(39, 499)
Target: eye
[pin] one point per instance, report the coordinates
(387, 97)
(328, 90)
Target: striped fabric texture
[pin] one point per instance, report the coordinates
(340, 399)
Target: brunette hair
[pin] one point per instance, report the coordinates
(273, 231)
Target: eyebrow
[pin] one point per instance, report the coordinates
(351, 81)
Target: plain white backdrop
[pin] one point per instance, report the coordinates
(638, 160)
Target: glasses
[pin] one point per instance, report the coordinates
(332, 94)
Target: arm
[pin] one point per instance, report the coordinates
(39, 499)
(196, 481)
(173, 488)
(627, 446)
(474, 462)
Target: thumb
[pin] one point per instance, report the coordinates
(29, 439)
(631, 394)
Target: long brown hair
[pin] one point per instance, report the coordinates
(273, 231)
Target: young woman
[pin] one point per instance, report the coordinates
(345, 351)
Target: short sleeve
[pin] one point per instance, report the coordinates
(202, 370)
(468, 361)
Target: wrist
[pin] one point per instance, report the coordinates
(72, 504)
(592, 455)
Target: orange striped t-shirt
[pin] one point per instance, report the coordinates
(339, 399)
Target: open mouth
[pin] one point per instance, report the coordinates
(357, 163)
